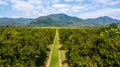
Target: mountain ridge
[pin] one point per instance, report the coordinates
(5, 21)
(56, 20)
(65, 20)
(102, 19)
(60, 19)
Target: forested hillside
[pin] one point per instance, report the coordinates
(61, 20)
(14, 21)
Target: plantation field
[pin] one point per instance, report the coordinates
(98, 47)
(25, 47)
(79, 47)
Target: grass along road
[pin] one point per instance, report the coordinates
(55, 54)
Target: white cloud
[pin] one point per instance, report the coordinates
(88, 8)
(58, 6)
(3, 2)
(25, 8)
(77, 8)
(73, 0)
(103, 12)
(115, 2)
(32, 8)
(69, 0)
(35, 2)
(79, 0)
(106, 2)
(50, 2)
(55, 1)
(65, 8)
(101, 1)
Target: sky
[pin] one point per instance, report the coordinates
(79, 8)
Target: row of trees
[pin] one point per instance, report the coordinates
(24, 47)
(98, 47)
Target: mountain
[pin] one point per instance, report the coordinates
(65, 20)
(14, 21)
(59, 20)
(102, 20)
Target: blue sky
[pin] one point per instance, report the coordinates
(80, 8)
